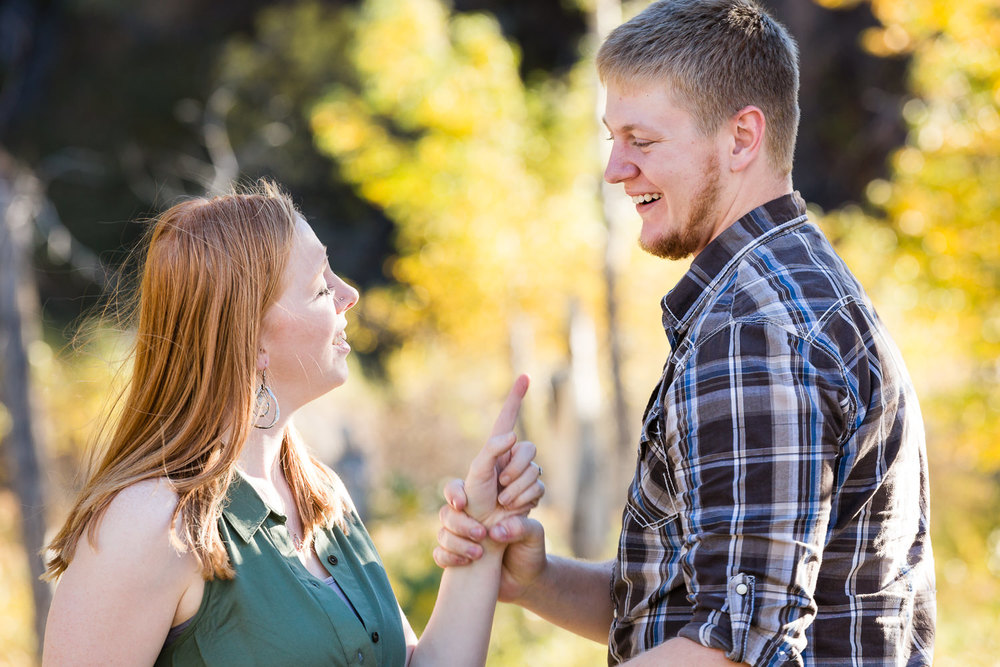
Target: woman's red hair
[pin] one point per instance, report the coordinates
(212, 268)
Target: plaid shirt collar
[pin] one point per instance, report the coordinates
(711, 264)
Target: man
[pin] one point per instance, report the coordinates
(779, 509)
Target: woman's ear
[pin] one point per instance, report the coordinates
(747, 127)
(262, 359)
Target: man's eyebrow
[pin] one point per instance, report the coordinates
(627, 128)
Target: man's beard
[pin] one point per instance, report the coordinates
(689, 238)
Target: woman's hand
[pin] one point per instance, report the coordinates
(459, 628)
(504, 462)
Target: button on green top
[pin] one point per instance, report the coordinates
(274, 613)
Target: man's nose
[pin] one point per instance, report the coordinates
(619, 168)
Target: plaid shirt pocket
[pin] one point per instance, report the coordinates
(652, 498)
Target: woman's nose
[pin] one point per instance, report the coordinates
(345, 296)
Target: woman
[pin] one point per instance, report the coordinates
(207, 534)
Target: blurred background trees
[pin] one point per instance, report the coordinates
(448, 155)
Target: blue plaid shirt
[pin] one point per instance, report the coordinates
(779, 509)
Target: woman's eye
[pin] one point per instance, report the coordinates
(326, 291)
(641, 144)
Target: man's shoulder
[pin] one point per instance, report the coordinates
(793, 288)
(796, 279)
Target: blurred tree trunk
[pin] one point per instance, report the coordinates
(354, 468)
(20, 195)
(606, 15)
(590, 507)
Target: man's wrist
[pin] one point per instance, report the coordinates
(533, 592)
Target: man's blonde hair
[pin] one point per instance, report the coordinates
(718, 56)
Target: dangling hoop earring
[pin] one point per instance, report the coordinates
(265, 399)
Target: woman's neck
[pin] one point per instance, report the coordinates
(260, 464)
(261, 454)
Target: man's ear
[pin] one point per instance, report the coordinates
(747, 136)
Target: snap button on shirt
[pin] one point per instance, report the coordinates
(375, 638)
(741, 589)
(332, 560)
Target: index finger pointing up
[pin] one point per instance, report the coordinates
(508, 413)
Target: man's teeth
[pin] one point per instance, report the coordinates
(640, 199)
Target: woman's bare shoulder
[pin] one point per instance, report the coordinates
(141, 508)
(136, 527)
(128, 583)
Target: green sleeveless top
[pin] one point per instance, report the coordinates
(275, 612)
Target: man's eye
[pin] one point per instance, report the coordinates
(641, 144)
(326, 291)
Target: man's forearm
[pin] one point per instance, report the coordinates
(680, 651)
(574, 595)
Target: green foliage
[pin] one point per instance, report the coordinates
(931, 259)
(72, 386)
(943, 202)
(17, 641)
(295, 52)
(473, 168)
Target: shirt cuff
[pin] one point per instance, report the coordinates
(733, 631)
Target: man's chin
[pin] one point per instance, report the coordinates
(669, 247)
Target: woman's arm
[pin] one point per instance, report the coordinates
(118, 598)
(573, 594)
(458, 632)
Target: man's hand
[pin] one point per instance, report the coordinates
(460, 535)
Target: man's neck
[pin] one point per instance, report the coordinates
(747, 195)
